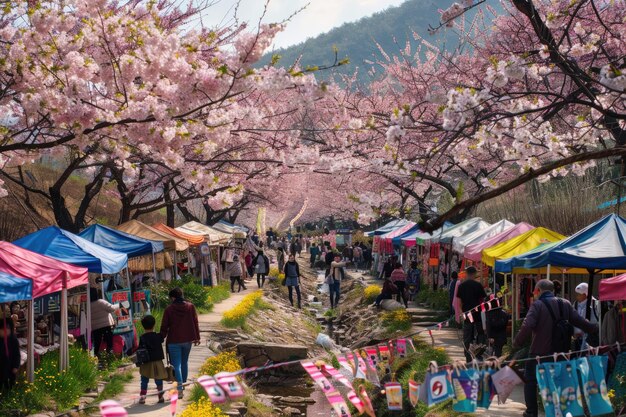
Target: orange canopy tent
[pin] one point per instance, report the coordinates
(194, 240)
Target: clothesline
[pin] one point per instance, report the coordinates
(488, 362)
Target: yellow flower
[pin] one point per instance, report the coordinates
(202, 408)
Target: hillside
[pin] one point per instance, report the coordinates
(391, 28)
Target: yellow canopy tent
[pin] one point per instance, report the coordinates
(520, 244)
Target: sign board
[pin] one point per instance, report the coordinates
(123, 320)
(204, 249)
(141, 304)
(50, 303)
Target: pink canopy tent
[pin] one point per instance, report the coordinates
(613, 289)
(474, 251)
(48, 276)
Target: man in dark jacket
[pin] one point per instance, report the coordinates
(330, 256)
(539, 323)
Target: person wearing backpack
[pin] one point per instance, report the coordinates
(550, 320)
(582, 340)
(497, 320)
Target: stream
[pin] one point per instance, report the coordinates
(320, 407)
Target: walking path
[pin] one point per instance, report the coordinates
(196, 359)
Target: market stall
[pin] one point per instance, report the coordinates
(159, 261)
(48, 276)
(480, 234)
(211, 253)
(474, 251)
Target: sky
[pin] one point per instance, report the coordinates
(320, 16)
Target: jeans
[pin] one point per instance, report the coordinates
(382, 296)
(335, 292)
(530, 388)
(260, 280)
(469, 330)
(297, 287)
(145, 380)
(401, 286)
(179, 356)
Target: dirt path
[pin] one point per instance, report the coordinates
(196, 359)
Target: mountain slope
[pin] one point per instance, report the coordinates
(357, 40)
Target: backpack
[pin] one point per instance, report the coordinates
(562, 330)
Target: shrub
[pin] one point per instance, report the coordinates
(203, 298)
(274, 272)
(439, 299)
(222, 362)
(236, 316)
(202, 408)
(398, 320)
(371, 292)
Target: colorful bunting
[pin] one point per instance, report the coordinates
(213, 389)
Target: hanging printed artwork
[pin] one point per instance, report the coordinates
(592, 374)
(504, 380)
(367, 403)
(414, 390)
(438, 386)
(547, 389)
(393, 392)
(465, 383)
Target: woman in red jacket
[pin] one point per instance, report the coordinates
(398, 277)
(180, 329)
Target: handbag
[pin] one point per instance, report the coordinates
(169, 369)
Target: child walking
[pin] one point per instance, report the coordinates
(153, 343)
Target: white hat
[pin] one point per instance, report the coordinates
(582, 288)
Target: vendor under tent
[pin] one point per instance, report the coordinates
(474, 251)
(121, 242)
(391, 226)
(466, 227)
(612, 289)
(460, 243)
(170, 243)
(48, 276)
(385, 242)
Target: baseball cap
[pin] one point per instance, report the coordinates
(582, 288)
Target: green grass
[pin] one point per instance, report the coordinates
(54, 390)
(115, 385)
(203, 298)
(438, 300)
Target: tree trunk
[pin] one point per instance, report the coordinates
(61, 214)
(169, 209)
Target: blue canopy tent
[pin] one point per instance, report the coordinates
(120, 241)
(14, 288)
(398, 239)
(599, 246)
(73, 249)
(389, 227)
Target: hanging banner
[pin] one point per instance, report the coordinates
(48, 304)
(414, 391)
(369, 408)
(230, 385)
(213, 389)
(352, 396)
(141, 304)
(393, 392)
(334, 397)
(123, 320)
(77, 308)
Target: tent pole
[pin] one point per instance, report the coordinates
(132, 296)
(88, 309)
(548, 272)
(189, 271)
(175, 265)
(154, 271)
(63, 345)
(590, 293)
(30, 360)
(513, 311)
